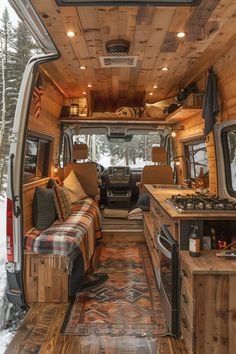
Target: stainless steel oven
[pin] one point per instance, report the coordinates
(169, 277)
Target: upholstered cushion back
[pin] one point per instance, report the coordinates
(161, 174)
(87, 175)
(159, 154)
(80, 152)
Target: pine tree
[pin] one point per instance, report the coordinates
(16, 48)
(7, 90)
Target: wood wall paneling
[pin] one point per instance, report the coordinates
(47, 123)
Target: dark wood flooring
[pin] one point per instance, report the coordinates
(40, 330)
(40, 333)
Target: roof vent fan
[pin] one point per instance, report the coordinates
(118, 47)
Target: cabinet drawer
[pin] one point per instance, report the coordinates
(187, 331)
(186, 277)
(187, 302)
(162, 218)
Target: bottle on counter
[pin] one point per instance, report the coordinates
(213, 238)
(194, 242)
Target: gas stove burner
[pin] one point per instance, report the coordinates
(200, 202)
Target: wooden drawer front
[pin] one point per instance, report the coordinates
(186, 277)
(162, 218)
(152, 249)
(187, 302)
(187, 331)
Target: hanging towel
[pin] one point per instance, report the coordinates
(211, 105)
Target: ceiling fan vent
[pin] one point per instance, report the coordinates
(119, 61)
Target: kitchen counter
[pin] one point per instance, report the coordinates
(160, 194)
(208, 263)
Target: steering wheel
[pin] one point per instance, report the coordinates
(100, 168)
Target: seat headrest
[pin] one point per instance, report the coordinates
(159, 154)
(80, 151)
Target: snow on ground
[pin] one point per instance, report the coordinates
(5, 335)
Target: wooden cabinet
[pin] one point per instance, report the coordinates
(160, 217)
(150, 233)
(208, 304)
(43, 282)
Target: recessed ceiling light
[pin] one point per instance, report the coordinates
(181, 34)
(89, 85)
(165, 68)
(150, 93)
(70, 34)
(154, 86)
(82, 67)
(84, 93)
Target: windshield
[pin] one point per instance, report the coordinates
(136, 153)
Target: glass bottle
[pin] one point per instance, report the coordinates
(194, 242)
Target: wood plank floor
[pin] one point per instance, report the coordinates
(40, 333)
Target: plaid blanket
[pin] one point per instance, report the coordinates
(80, 230)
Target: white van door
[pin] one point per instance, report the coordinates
(14, 217)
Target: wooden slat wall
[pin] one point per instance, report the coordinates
(225, 70)
(47, 123)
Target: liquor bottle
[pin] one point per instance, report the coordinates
(201, 182)
(213, 238)
(194, 242)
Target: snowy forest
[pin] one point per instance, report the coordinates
(16, 48)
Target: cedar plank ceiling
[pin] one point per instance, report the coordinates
(210, 29)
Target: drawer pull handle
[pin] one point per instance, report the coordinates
(184, 323)
(183, 273)
(185, 300)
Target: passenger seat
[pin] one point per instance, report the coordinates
(160, 173)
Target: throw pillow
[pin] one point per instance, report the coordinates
(53, 182)
(144, 201)
(62, 201)
(73, 185)
(44, 211)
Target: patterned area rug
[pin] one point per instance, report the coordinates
(127, 304)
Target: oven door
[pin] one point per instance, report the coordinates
(169, 276)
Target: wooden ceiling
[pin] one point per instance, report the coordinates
(210, 31)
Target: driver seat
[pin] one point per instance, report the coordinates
(85, 171)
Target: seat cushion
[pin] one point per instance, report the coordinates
(62, 201)
(44, 211)
(73, 185)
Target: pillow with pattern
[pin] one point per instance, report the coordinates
(44, 212)
(74, 187)
(62, 202)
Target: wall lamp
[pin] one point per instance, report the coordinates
(74, 109)
(188, 168)
(173, 132)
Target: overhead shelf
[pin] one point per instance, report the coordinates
(181, 114)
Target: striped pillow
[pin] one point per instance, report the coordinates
(62, 202)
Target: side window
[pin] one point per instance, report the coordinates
(37, 156)
(229, 144)
(196, 153)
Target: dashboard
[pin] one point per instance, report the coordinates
(119, 175)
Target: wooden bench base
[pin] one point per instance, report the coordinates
(43, 282)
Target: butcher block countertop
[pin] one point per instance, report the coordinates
(160, 194)
(208, 263)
